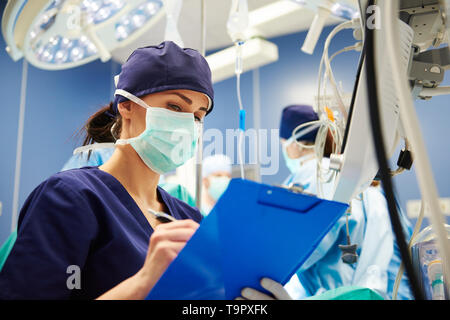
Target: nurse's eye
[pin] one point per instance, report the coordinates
(174, 107)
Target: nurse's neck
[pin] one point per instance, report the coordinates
(138, 179)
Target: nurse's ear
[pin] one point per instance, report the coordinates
(206, 182)
(125, 109)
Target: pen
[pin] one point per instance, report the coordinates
(161, 216)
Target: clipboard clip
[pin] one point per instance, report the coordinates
(297, 188)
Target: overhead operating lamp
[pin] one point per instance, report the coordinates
(323, 10)
(257, 51)
(62, 34)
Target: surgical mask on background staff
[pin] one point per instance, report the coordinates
(300, 160)
(216, 171)
(217, 186)
(295, 164)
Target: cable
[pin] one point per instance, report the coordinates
(356, 46)
(237, 26)
(379, 145)
(335, 128)
(341, 121)
(325, 126)
(325, 61)
(401, 270)
(257, 120)
(238, 71)
(412, 128)
(241, 125)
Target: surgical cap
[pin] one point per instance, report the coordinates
(216, 163)
(165, 67)
(295, 115)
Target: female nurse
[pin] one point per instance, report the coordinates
(86, 233)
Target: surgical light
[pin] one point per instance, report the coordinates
(62, 34)
(324, 9)
(338, 9)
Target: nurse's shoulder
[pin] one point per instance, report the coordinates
(66, 191)
(80, 182)
(82, 178)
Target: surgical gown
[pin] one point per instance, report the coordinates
(96, 158)
(83, 218)
(370, 228)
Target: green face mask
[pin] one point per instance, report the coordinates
(169, 139)
(292, 164)
(217, 186)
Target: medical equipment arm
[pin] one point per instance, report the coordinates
(379, 144)
(411, 125)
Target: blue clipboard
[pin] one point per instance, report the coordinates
(254, 231)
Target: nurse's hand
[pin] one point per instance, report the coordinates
(275, 288)
(166, 242)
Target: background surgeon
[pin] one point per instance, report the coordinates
(368, 224)
(216, 171)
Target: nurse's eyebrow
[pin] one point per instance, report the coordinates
(182, 96)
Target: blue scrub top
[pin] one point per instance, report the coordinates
(85, 218)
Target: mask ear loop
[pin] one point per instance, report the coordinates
(131, 97)
(117, 141)
(112, 131)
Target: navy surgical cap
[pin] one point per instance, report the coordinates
(295, 115)
(165, 67)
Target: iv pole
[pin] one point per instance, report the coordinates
(199, 178)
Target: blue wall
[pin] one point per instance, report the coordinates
(57, 105)
(59, 102)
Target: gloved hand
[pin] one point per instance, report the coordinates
(276, 288)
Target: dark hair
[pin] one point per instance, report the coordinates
(328, 148)
(98, 127)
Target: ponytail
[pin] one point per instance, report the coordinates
(99, 125)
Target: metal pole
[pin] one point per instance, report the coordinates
(199, 178)
(203, 28)
(23, 91)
